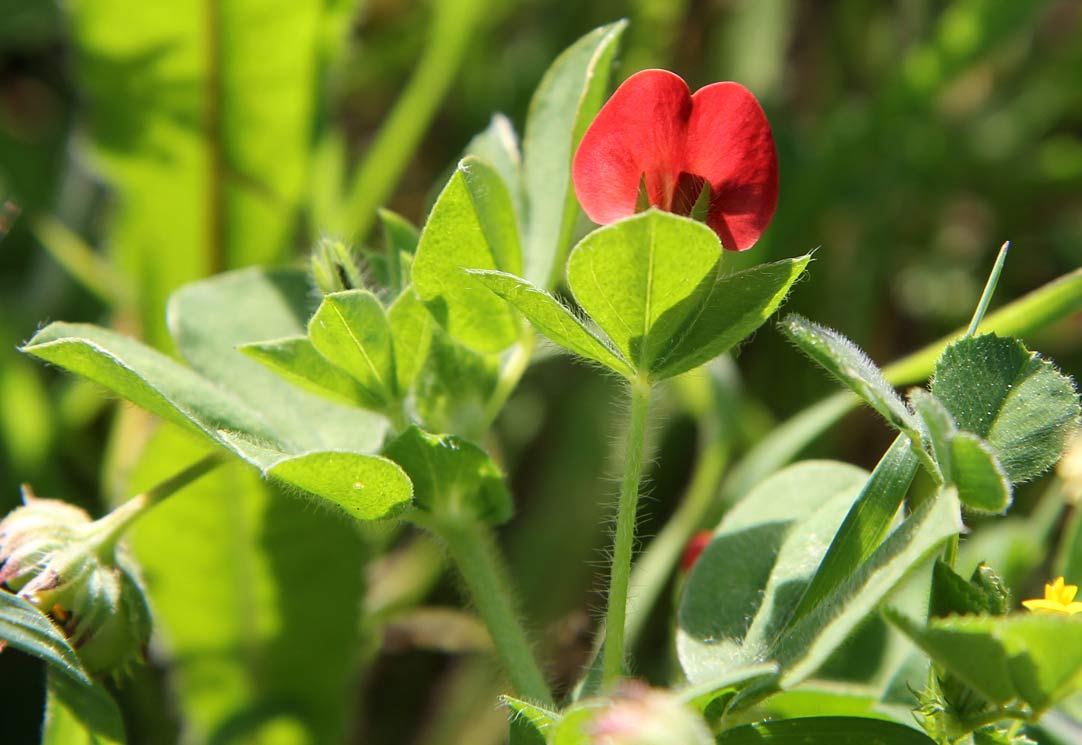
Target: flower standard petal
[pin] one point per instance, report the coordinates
(729, 143)
(639, 132)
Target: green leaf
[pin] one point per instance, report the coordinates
(452, 477)
(472, 226)
(400, 240)
(242, 578)
(998, 390)
(454, 386)
(411, 332)
(350, 329)
(1037, 658)
(498, 146)
(867, 524)
(748, 581)
(536, 719)
(850, 366)
(365, 486)
(641, 278)
(210, 319)
(23, 626)
(702, 695)
(551, 318)
(824, 731)
(78, 713)
(976, 472)
(808, 643)
(296, 360)
(564, 104)
(964, 459)
(184, 108)
(734, 308)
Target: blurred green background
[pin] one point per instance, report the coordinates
(144, 145)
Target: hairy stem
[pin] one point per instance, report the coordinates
(474, 551)
(616, 615)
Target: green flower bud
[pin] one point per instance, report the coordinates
(333, 267)
(70, 567)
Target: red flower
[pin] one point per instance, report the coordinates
(653, 128)
(695, 547)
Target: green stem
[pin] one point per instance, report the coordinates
(111, 527)
(453, 28)
(615, 618)
(989, 289)
(510, 374)
(473, 549)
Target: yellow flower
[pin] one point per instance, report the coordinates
(1058, 598)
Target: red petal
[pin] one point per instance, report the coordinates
(694, 549)
(730, 144)
(639, 131)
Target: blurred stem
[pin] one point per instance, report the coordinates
(510, 374)
(452, 28)
(81, 262)
(616, 615)
(474, 551)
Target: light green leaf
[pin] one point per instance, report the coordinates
(411, 332)
(1013, 398)
(938, 426)
(807, 644)
(296, 360)
(76, 713)
(976, 472)
(451, 477)
(1037, 657)
(850, 366)
(733, 309)
(184, 107)
(210, 319)
(350, 329)
(866, 525)
(23, 626)
(472, 226)
(564, 104)
(366, 487)
(640, 279)
(242, 578)
(824, 731)
(747, 582)
(498, 146)
(552, 319)
(454, 386)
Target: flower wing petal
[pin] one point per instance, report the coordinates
(640, 130)
(730, 144)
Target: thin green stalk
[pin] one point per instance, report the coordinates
(453, 27)
(510, 374)
(473, 549)
(989, 289)
(80, 261)
(111, 527)
(616, 615)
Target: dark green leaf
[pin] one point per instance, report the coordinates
(564, 104)
(472, 226)
(553, 320)
(824, 731)
(998, 390)
(975, 470)
(451, 477)
(733, 309)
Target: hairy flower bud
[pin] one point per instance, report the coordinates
(640, 715)
(56, 557)
(333, 267)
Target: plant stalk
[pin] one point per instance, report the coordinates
(616, 615)
(474, 551)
